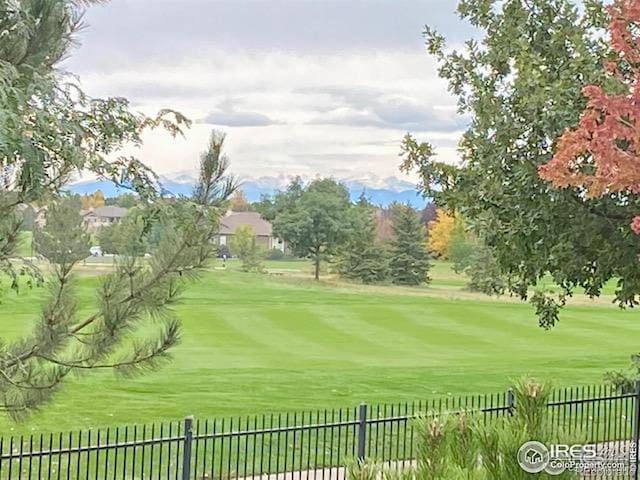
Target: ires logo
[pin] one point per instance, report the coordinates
(535, 457)
(582, 452)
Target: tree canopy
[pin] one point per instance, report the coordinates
(439, 233)
(63, 240)
(314, 220)
(601, 155)
(521, 85)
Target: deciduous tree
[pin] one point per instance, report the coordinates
(601, 155)
(239, 202)
(521, 83)
(269, 206)
(92, 200)
(472, 257)
(314, 221)
(439, 233)
(243, 245)
(125, 200)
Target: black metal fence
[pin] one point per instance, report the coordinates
(297, 446)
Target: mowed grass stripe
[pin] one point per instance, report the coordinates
(334, 342)
(255, 343)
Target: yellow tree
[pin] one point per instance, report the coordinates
(239, 202)
(98, 199)
(93, 200)
(439, 233)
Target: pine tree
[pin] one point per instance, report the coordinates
(362, 258)
(409, 257)
(134, 298)
(62, 241)
(128, 237)
(50, 129)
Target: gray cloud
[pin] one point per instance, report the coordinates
(416, 119)
(363, 106)
(237, 119)
(307, 69)
(227, 114)
(142, 90)
(124, 31)
(357, 96)
(412, 115)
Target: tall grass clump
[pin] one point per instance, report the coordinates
(465, 446)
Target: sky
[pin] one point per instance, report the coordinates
(301, 87)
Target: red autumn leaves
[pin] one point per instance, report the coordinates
(601, 155)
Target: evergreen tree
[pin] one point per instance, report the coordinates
(362, 258)
(62, 241)
(128, 237)
(409, 257)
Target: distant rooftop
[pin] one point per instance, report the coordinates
(230, 222)
(110, 211)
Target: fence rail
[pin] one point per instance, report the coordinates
(298, 445)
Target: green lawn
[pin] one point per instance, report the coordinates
(277, 342)
(24, 246)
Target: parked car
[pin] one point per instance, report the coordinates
(95, 251)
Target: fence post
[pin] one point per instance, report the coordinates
(186, 450)
(362, 430)
(510, 401)
(636, 429)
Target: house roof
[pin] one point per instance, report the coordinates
(230, 222)
(109, 211)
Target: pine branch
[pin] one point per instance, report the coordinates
(135, 292)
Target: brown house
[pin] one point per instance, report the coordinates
(262, 229)
(96, 218)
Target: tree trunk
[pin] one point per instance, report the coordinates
(317, 269)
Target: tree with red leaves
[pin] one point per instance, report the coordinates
(521, 83)
(601, 156)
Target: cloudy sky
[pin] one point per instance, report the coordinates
(310, 87)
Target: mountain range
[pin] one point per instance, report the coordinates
(380, 191)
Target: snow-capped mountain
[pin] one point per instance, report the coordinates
(379, 190)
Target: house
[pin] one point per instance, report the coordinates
(32, 215)
(96, 218)
(262, 229)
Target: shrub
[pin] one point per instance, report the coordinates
(472, 257)
(275, 254)
(223, 251)
(458, 446)
(244, 245)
